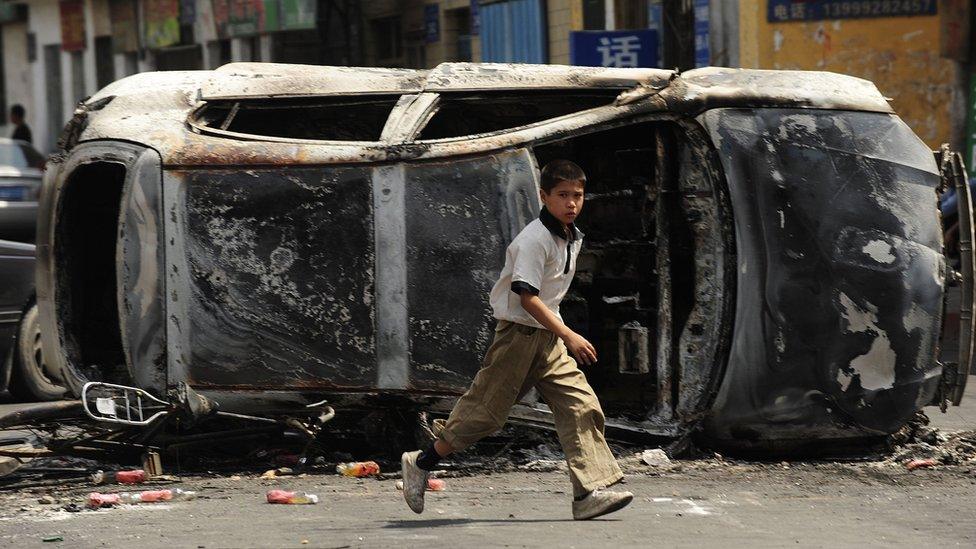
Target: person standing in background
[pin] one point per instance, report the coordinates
(21, 129)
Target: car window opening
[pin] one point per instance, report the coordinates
(472, 114)
(634, 175)
(326, 119)
(86, 238)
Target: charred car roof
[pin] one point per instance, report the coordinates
(158, 108)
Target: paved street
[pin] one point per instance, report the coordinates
(706, 503)
(821, 505)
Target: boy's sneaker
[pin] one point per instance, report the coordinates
(596, 503)
(414, 481)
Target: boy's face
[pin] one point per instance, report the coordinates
(564, 201)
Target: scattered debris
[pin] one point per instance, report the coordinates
(275, 473)
(50, 539)
(288, 460)
(152, 463)
(291, 498)
(97, 500)
(655, 458)
(921, 464)
(543, 466)
(136, 476)
(358, 469)
(433, 484)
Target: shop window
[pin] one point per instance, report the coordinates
(77, 75)
(472, 114)
(131, 61)
(388, 39)
(594, 14)
(458, 30)
(624, 14)
(180, 58)
(219, 52)
(104, 61)
(359, 118)
(630, 14)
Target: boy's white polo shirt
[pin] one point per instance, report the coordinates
(539, 260)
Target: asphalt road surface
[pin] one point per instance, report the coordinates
(706, 503)
(764, 505)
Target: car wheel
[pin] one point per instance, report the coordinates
(32, 377)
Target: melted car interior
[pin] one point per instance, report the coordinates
(639, 292)
(86, 239)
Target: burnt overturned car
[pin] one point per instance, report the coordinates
(763, 263)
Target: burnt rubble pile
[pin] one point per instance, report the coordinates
(916, 440)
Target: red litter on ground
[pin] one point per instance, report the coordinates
(921, 464)
(97, 501)
(136, 476)
(358, 469)
(291, 498)
(130, 477)
(433, 484)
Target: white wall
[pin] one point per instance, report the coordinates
(17, 72)
(44, 20)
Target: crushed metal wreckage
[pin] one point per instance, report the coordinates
(763, 268)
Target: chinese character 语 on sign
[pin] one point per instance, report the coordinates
(817, 10)
(634, 48)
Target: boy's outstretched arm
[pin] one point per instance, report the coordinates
(582, 349)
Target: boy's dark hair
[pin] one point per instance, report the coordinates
(561, 170)
(18, 110)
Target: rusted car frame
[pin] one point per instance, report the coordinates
(763, 259)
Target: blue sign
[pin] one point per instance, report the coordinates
(703, 54)
(816, 10)
(629, 48)
(432, 23)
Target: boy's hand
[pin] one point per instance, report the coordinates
(582, 349)
(577, 344)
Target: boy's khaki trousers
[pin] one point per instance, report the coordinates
(522, 357)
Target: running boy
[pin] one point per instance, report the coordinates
(530, 350)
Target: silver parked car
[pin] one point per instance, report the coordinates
(21, 170)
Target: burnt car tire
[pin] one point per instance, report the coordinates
(31, 379)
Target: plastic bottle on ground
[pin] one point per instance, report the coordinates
(136, 476)
(358, 469)
(433, 484)
(291, 498)
(97, 500)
